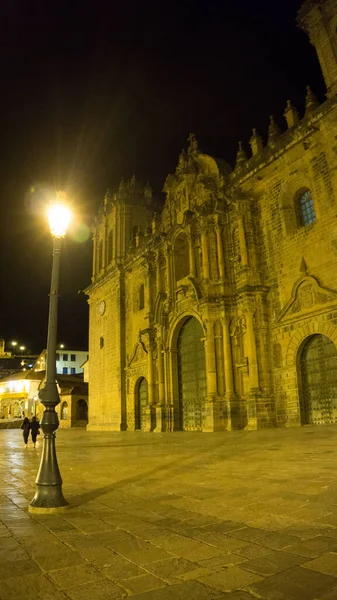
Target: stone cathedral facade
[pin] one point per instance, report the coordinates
(218, 310)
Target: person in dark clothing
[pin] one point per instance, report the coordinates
(25, 430)
(35, 429)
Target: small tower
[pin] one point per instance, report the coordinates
(311, 102)
(291, 115)
(273, 132)
(256, 143)
(241, 157)
(318, 18)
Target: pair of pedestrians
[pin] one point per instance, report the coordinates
(32, 426)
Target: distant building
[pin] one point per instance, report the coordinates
(19, 396)
(218, 310)
(68, 362)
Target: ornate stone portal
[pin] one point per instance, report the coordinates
(210, 300)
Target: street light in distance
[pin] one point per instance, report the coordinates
(48, 496)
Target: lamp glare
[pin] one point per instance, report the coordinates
(59, 218)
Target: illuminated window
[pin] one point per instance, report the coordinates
(306, 209)
(110, 240)
(141, 297)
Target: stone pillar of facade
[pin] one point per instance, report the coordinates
(254, 389)
(159, 408)
(205, 257)
(150, 274)
(169, 290)
(149, 410)
(191, 256)
(105, 245)
(241, 210)
(94, 256)
(221, 258)
(171, 377)
(242, 241)
(228, 368)
(158, 273)
(167, 410)
(161, 376)
(211, 407)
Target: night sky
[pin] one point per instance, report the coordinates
(94, 91)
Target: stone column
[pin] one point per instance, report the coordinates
(167, 411)
(205, 258)
(252, 354)
(161, 377)
(228, 360)
(158, 273)
(160, 407)
(221, 258)
(211, 405)
(172, 392)
(149, 289)
(242, 241)
(254, 390)
(210, 361)
(169, 272)
(105, 245)
(191, 256)
(150, 388)
(94, 256)
(228, 368)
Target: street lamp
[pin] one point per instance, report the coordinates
(22, 348)
(48, 496)
(14, 344)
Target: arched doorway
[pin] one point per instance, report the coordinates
(318, 381)
(81, 410)
(191, 375)
(141, 396)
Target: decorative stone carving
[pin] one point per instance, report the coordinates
(139, 354)
(307, 296)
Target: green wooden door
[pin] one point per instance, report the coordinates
(140, 402)
(191, 375)
(319, 379)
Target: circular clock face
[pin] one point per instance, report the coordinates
(101, 307)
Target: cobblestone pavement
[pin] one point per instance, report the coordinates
(238, 516)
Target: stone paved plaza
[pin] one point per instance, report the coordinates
(240, 515)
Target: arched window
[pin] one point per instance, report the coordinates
(64, 411)
(305, 208)
(110, 241)
(181, 257)
(141, 297)
(100, 256)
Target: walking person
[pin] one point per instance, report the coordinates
(25, 430)
(35, 429)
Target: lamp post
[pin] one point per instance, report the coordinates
(48, 496)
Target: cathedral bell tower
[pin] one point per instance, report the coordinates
(318, 18)
(123, 218)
